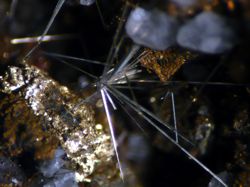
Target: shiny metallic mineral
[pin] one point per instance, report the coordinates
(88, 148)
(165, 63)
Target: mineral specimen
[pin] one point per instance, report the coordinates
(87, 2)
(63, 178)
(208, 32)
(10, 173)
(50, 167)
(165, 63)
(64, 115)
(184, 3)
(151, 28)
(20, 130)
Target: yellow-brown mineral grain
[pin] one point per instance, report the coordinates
(22, 130)
(164, 63)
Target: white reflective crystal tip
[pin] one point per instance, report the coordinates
(208, 32)
(87, 2)
(151, 28)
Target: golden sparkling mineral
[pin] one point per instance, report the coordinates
(164, 63)
(65, 116)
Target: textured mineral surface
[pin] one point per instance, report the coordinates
(64, 116)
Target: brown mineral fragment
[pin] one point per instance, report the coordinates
(164, 63)
(62, 114)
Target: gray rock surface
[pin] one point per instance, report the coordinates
(153, 29)
(208, 32)
(63, 178)
(184, 3)
(50, 167)
(10, 173)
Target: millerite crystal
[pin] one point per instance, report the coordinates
(88, 148)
